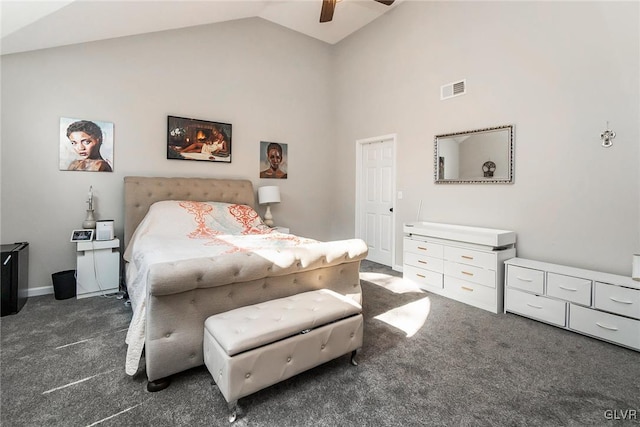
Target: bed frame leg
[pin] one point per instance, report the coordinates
(158, 385)
(354, 362)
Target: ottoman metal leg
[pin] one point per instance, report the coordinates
(354, 362)
(233, 410)
(233, 406)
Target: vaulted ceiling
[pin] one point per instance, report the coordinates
(31, 25)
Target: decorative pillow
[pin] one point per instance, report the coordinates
(204, 219)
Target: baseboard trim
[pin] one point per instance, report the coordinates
(397, 267)
(36, 292)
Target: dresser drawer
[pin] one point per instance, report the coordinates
(469, 256)
(541, 308)
(422, 261)
(424, 279)
(573, 289)
(610, 327)
(617, 299)
(433, 250)
(470, 273)
(471, 293)
(526, 279)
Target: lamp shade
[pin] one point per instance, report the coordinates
(269, 194)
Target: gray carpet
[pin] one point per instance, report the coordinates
(62, 364)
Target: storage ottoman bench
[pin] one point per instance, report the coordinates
(254, 347)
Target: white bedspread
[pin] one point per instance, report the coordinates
(175, 230)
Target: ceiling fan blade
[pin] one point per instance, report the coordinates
(386, 2)
(326, 14)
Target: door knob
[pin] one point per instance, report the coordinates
(390, 209)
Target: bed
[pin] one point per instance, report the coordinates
(195, 247)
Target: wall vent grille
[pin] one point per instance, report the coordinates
(453, 89)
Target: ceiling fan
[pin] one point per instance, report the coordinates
(328, 6)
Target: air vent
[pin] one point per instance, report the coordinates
(453, 89)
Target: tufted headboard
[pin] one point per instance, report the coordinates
(141, 192)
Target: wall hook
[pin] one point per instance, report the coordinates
(607, 136)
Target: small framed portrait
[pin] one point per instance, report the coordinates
(85, 235)
(273, 160)
(86, 145)
(192, 139)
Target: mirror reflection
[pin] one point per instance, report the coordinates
(476, 156)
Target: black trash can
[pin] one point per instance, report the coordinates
(64, 284)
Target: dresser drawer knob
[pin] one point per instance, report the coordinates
(467, 289)
(422, 262)
(421, 275)
(466, 273)
(524, 279)
(534, 306)
(611, 328)
(422, 248)
(568, 289)
(620, 301)
(466, 257)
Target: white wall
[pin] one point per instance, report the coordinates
(556, 70)
(270, 83)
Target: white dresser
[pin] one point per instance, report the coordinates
(601, 305)
(459, 262)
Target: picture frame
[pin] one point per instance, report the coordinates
(83, 235)
(86, 145)
(274, 159)
(195, 139)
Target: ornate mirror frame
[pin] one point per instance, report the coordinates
(481, 156)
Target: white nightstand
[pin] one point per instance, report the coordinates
(98, 268)
(284, 230)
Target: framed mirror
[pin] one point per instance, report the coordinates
(483, 156)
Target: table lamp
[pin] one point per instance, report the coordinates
(266, 196)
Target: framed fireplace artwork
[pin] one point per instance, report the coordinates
(86, 145)
(193, 139)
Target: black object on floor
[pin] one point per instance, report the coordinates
(15, 277)
(64, 284)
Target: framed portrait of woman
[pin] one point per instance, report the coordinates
(86, 145)
(273, 160)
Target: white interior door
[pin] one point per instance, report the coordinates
(376, 189)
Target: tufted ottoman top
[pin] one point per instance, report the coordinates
(246, 328)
